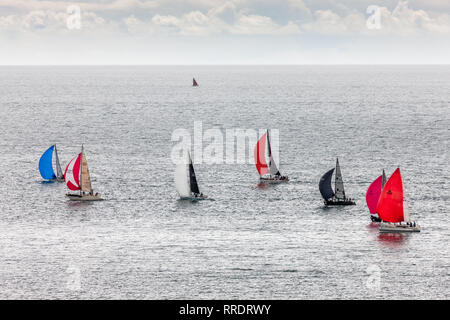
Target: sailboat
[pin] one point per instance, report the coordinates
(336, 197)
(267, 172)
(373, 195)
(186, 181)
(390, 207)
(77, 177)
(46, 165)
(194, 83)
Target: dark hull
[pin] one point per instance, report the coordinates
(375, 218)
(339, 202)
(272, 179)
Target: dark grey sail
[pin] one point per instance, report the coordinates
(59, 173)
(339, 183)
(192, 179)
(272, 165)
(383, 181)
(325, 185)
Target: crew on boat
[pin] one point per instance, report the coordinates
(198, 195)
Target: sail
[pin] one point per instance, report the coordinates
(72, 173)
(85, 176)
(194, 83)
(406, 216)
(325, 185)
(373, 194)
(390, 205)
(192, 179)
(260, 155)
(339, 184)
(383, 182)
(46, 164)
(181, 179)
(59, 173)
(272, 165)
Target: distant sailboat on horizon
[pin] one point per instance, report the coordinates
(390, 207)
(336, 197)
(194, 83)
(77, 177)
(373, 195)
(186, 180)
(46, 165)
(267, 172)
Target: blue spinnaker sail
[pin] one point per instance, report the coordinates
(325, 185)
(46, 164)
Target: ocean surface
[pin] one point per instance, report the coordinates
(251, 241)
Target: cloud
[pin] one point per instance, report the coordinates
(311, 30)
(401, 21)
(239, 17)
(405, 21)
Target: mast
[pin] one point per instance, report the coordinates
(339, 184)
(383, 181)
(81, 170)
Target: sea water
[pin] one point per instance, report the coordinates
(253, 241)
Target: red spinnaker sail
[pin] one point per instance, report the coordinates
(72, 173)
(260, 156)
(390, 205)
(373, 194)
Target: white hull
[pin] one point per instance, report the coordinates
(394, 227)
(87, 197)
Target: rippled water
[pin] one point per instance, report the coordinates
(251, 241)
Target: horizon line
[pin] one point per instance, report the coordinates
(225, 64)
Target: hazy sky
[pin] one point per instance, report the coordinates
(224, 32)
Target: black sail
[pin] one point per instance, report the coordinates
(325, 185)
(192, 178)
(272, 166)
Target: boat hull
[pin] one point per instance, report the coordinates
(88, 197)
(339, 202)
(274, 179)
(375, 218)
(386, 227)
(194, 198)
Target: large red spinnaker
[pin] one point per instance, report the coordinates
(72, 173)
(373, 194)
(260, 156)
(390, 205)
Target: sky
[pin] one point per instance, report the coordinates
(193, 32)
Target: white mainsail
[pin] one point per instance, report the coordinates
(383, 181)
(339, 184)
(59, 173)
(181, 177)
(406, 216)
(85, 177)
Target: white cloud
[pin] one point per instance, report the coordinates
(305, 29)
(401, 21)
